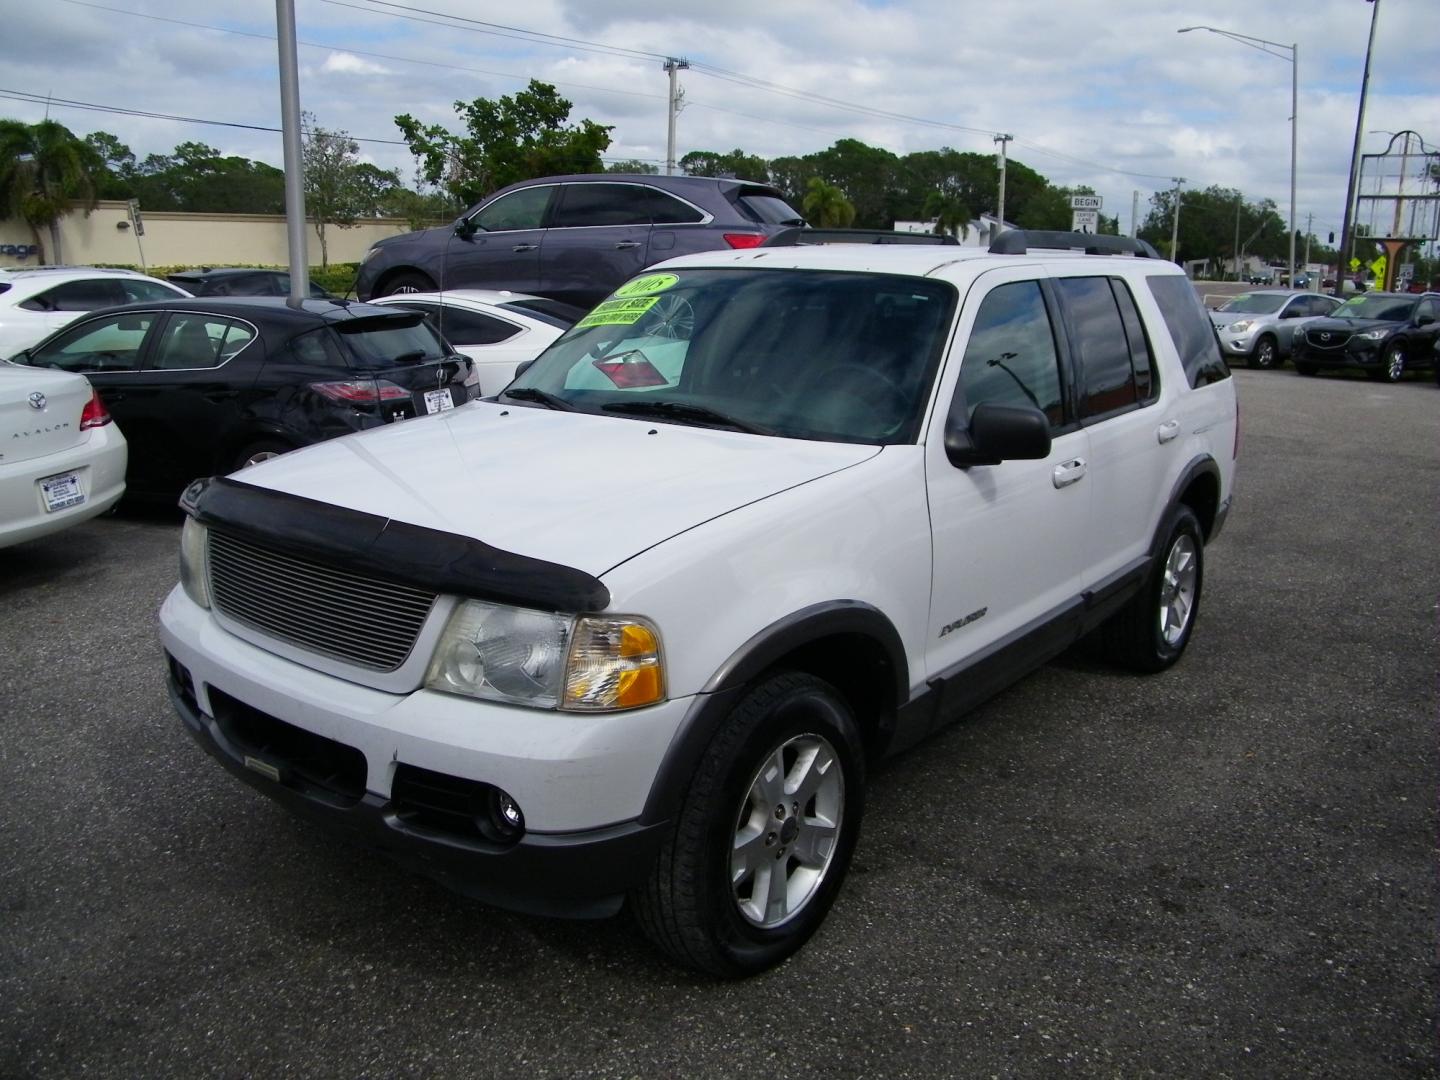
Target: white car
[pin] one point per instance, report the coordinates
(62, 459)
(638, 629)
(37, 301)
(497, 329)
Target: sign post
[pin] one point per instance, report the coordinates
(137, 225)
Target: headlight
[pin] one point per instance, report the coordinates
(1241, 326)
(1372, 335)
(548, 661)
(375, 250)
(194, 568)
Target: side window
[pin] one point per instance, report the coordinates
(1142, 358)
(317, 349)
(668, 210)
(1323, 305)
(1190, 328)
(195, 340)
(1102, 350)
(523, 209)
(111, 344)
(1010, 358)
(461, 327)
(137, 291)
(88, 295)
(601, 204)
(1426, 309)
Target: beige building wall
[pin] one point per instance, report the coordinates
(176, 239)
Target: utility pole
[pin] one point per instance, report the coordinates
(1002, 140)
(1347, 239)
(1134, 212)
(1238, 204)
(1294, 138)
(294, 160)
(1309, 223)
(1175, 221)
(673, 66)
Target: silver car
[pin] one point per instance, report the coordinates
(1260, 326)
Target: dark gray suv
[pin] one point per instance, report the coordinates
(576, 238)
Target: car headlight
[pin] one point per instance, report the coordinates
(194, 562)
(1372, 335)
(548, 661)
(370, 254)
(1241, 325)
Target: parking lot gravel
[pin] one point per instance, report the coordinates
(1224, 870)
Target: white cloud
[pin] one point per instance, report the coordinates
(344, 63)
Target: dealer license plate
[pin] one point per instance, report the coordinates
(438, 400)
(61, 491)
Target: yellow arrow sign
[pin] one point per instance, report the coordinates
(1354, 264)
(1379, 266)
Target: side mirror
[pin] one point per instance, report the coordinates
(1424, 320)
(522, 367)
(465, 228)
(997, 433)
(1292, 313)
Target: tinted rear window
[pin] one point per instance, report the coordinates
(385, 345)
(768, 210)
(555, 312)
(1190, 329)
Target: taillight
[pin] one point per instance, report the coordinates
(361, 391)
(744, 239)
(94, 414)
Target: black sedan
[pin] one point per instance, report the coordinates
(239, 281)
(211, 385)
(1382, 333)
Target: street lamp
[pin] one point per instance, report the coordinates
(1294, 60)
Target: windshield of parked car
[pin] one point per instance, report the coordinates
(1389, 308)
(807, 354)
(1255, 303)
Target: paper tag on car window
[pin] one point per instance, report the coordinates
(622, 312)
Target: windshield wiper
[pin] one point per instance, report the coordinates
(681, 410)
(530, 393)
(412, 357)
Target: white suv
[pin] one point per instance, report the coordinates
(35, 301)
(638, 626)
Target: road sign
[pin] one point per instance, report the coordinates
(1085, 221)
(135, 219)
(1378, 266)
(1354, 264)
(1086, 202)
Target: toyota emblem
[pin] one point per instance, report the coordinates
(37, 400)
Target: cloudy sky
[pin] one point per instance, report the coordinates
(1097, 92)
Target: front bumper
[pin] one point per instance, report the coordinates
(1236, 344)
(1363, 354)
(572, 875)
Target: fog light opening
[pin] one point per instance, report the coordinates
(504, 821)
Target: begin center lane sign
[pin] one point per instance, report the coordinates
(1086, 202)
(1085, 221)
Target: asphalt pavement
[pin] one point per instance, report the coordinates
(1224, 870)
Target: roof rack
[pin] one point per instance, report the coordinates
(1020, 241)
(804, 236)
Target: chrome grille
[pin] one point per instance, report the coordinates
(359, 619)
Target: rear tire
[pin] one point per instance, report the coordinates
(764, 835)
(1150, 632)
(256, 452)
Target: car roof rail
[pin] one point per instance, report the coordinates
(1020, 241)
(795, 237)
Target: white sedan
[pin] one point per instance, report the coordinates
(497, 329)
(62, 458)
(37, 301)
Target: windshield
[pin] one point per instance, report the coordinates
(1389, 308)
(1255, 303)
(806, 354)
(378, 346)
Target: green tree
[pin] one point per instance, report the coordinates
(1210, 227)
(736, 163)
(199, 179)
(44, 168)
(117, 180)
(633, 165)
(952, 217)
(826, 206)
(340, 189)
(866, 174)
(510, 139)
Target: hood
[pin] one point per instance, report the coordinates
(1223, 319)
(1351, 326)
(571, 488)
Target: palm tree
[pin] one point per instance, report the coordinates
(952, 217)
(44, 168)
(826, 206)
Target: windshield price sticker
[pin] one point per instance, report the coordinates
(622, 312)
(650, 283)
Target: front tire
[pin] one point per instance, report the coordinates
(764, 835)
(1392, 364)
(260, 451)
(1150, 632)
(1266, 354)
(408, 281)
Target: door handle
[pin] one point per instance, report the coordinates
(626, 245)
(524, 247)
(1168, 430)
(1068, 472)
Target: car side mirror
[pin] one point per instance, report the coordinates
(522, 367)
(1424, 320)
(1292, 313)
(997, 433)
(465, 228)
